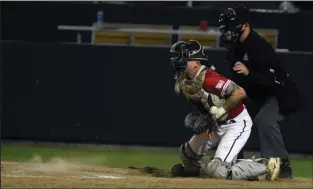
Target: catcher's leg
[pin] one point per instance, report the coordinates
(192, 151)
(234, 137)
(191, 154)
(243, 170)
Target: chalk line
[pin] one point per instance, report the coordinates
(79, 177)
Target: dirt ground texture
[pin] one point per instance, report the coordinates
(59, 173)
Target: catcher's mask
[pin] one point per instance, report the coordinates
(231, 22)
(184, 51)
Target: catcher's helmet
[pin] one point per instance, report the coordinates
(184, 51)
(231, 22)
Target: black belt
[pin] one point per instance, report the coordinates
(226, 122)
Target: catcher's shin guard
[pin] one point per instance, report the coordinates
(241, 170)
(191, 163)
(256, 169)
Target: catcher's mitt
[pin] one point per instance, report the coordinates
(200, 122)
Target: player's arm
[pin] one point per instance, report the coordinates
(230, 91)
(233, 95)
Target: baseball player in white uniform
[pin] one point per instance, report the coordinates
(222, 121)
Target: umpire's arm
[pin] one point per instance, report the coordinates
(263, 59)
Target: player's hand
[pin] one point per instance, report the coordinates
(218, 113)
(240, 68)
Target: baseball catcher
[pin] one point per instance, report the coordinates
(222, 121)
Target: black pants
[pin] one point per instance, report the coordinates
(267, 121)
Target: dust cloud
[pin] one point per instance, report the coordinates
(56, 164)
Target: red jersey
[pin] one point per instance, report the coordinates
(216, 84)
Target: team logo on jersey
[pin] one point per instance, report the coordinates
(245, 57)
(220, 84)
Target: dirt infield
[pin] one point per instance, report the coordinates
(59, 173)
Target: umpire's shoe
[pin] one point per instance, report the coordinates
(285, 169)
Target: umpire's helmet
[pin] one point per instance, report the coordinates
(231, 22)
(183, 51)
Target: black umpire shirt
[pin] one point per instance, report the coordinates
(259, 57)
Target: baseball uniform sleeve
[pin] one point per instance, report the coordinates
(215, 83)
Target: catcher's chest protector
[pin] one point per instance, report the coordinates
(193, 90)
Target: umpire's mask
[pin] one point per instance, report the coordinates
(231, 22)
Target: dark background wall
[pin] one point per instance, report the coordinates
(37, 21)
(121, 95)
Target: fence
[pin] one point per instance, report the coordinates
(153, 35)
(38, 21)
(115, 95)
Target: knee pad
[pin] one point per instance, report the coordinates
(218, 169)
(189, 157)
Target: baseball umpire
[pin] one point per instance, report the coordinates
(256, 68)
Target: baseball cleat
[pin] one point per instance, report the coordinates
(273, 167)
